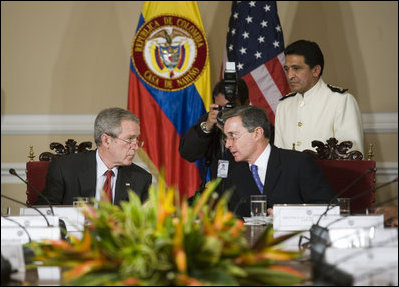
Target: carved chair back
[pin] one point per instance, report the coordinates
(347, 170)
(36, 171)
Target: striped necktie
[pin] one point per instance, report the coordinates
(254, 170)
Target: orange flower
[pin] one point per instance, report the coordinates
(181, 260)
(84, 268)
(84, 245)
(276, 254)
(185, 280)
(245, 259)
(237, 228)
(58, 244)
(131, 281)
(89, 211)
(289, 270)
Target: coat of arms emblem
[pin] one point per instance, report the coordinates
(169, 52)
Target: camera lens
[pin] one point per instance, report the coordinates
(219, 118)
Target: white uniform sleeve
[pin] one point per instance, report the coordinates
(348, 123)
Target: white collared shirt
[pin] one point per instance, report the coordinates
(262, 162)
(101, 177)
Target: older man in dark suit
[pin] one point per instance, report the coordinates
(109, 168)
(284, 176)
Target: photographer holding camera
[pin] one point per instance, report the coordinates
(205, 138)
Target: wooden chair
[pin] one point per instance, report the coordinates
(36, 171)
(346, 170)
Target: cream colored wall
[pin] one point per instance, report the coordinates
(72, 58)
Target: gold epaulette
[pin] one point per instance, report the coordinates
(337, 89)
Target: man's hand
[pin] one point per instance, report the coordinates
(211, 120)
(390, 214)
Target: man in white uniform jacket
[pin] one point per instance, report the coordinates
(314, 110)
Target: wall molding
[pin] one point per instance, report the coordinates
(19, 124)
(47, 124)
(19, 167)
(83, 124)
(385, 171)
(380, 122)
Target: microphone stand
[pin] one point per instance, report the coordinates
(30, 206)
(13, 172)
(318, 243)
(61, 222)
(329, 274)
(318, 234)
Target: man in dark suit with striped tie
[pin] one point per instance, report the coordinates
(109, 167)
(284, 176)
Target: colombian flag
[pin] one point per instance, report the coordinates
(169, 85)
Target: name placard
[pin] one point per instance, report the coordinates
(12, 251)
(29, 221)
(73, 218)
(332, 221)
(296, 217)
(363, 237)
(35, 233)
(376, 266)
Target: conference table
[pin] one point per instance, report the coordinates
(252, 233)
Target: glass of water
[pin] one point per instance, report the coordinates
(344, 205)
(259, 207)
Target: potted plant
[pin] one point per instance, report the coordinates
(167, 242)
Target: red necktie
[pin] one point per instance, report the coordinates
(107, 184)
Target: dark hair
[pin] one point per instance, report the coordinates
(252, 117)
(243, 95)
(108, 122)
(309, 50)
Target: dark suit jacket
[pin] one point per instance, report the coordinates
(75, 176)
(195, 145)
(291, 177)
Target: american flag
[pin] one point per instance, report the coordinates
(255, 43)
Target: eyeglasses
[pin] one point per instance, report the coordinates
(233, 137)
(133, 141)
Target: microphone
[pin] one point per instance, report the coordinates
(367, 192)
(326, 274)
(374, 189)
(28, 205)
(61, 222)
(369, 170)
(318, 234)
(342, 191)
(13, 172)
(378, 205)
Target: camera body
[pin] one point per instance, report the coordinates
(230, 82)
(230, 90)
